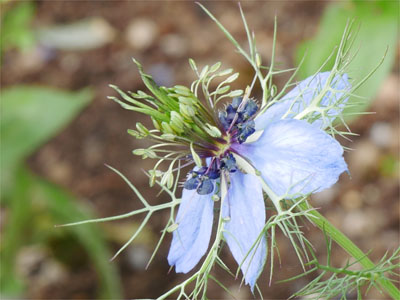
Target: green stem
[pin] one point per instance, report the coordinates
(350, 248)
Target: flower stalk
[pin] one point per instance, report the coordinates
(346, 244)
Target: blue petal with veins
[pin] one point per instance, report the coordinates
(190, 240)
(245, 207)
(295, 157)
(301, 96)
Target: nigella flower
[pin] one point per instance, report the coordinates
(295, 157)
(285, 145)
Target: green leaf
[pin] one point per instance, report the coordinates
(33, 202)
(16, 30)
(378, 23)
(32, 115)
(14, 234)
(64, 209)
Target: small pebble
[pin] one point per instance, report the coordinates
(388, 95)
(141, 33)
(359, 223)
(381, 134)
(30, 61)
(36, 265)
(71, 62)
(370, 194)
(174, 45)
(389, 240)
(138, 257)
(363, 159)
(351, 200)
(84, 34)
(356, 223)
(237, 292)
(93, 151)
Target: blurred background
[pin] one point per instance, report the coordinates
(58, 130)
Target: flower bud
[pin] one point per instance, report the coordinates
(258, 59)
(212, 130)
(135, 134)
(143, 130)
(223, 89)
(273, 90)
(186, 110)
(195, 156)
(215, 67)
(235, 93)
(153, 174)
(167, 179)
(156, 124)
(172, 227)
(192, 64)
(183, 91)
(231, 78)
(168, 136)
(177, 122)
(225, 72)
(204, 71)
(145, 153)
(187, 100)
(166, 128)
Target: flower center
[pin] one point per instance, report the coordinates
(202, 179)
(238, 124)
(223, 148)
(237, 119)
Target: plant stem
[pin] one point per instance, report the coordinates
(350, 248)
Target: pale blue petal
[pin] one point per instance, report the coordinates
(295, 157)
(245, 207)
(301, 96)
(190, 240)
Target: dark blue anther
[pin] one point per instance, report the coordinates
(250, 109)
(231, 112)
(245, 130)
(239, 118)
(236, 102)
(192, 183)
(229, 163)
(206, 187)
(202, 179)
(213, 174)
(222, 115)
(201, 171)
